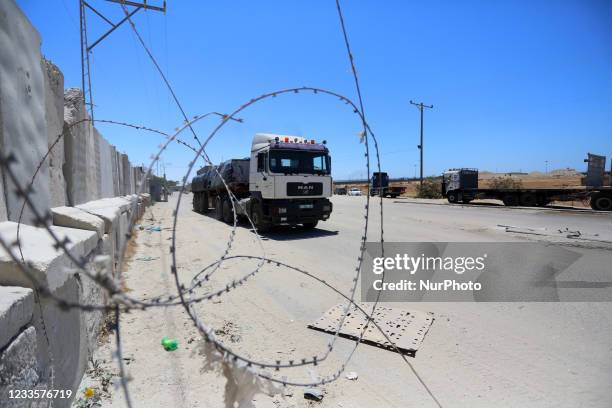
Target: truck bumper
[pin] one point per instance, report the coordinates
(297, 211)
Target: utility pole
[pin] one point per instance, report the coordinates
(87, 47)
(421, 106)
(546, 161)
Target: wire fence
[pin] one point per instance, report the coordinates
(272, 370)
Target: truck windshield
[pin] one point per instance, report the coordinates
(292, 162)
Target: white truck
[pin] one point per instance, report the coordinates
(286, 181)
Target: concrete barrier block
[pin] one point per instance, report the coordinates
(16, 306)
(115, 171)
(3, 211)
(135, 180)
(54, 116)
(120, 174)
(108, 248)
(121, 231)
(96, 164)
(107, 188)
(109, 209)
(109, 214)
(122, 202)
(66, 340)
(74, 217)
(146, 198)
(125, 166)
(23, 128)
(18, 366)
(82, 151)
(50, 266)
(77, 131)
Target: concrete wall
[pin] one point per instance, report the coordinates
(78, 167)
(61, 340)
(43, 345)
(23, 130)
(106, 169)
(82, 151)
(54, 117)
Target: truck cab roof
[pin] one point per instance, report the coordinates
(286, 142)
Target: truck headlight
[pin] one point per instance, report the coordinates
(282, 211)
(326, 208)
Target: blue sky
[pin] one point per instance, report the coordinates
(513, 83)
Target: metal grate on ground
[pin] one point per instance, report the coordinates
(406, 328)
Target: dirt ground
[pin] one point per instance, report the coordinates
(475, 354)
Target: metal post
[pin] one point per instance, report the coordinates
(86, 47)
(421, 147)
(421, 106)
(81, 14)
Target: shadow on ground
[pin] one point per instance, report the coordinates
(282, 232)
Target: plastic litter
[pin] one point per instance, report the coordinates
(147, 258)
(169, 344)
(351, 375)
(313, 394)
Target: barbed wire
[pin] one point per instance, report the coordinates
(119, 301)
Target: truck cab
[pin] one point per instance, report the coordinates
(379, 186)
(289, 181)
(459, 184)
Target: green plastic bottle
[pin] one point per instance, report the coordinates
(169, 344)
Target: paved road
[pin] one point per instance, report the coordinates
(476, 355)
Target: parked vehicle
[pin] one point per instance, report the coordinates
(286, 181)
(354, 192)
(379, 186)
(461, 185)
(340, 191)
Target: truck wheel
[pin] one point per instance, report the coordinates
(510, 200)
(310, 225)
(529, 200)
(601, 202)
(228, 214)
(452, 197)
(218, 208)
(257, 218)
(204, 203)
(196, 203)
(543, 201)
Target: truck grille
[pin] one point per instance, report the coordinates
(304, 189)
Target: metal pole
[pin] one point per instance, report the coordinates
(421, 146)
(81, 13)
(421, 106)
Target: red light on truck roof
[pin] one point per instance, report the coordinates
(312, 141)
(286, 140)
